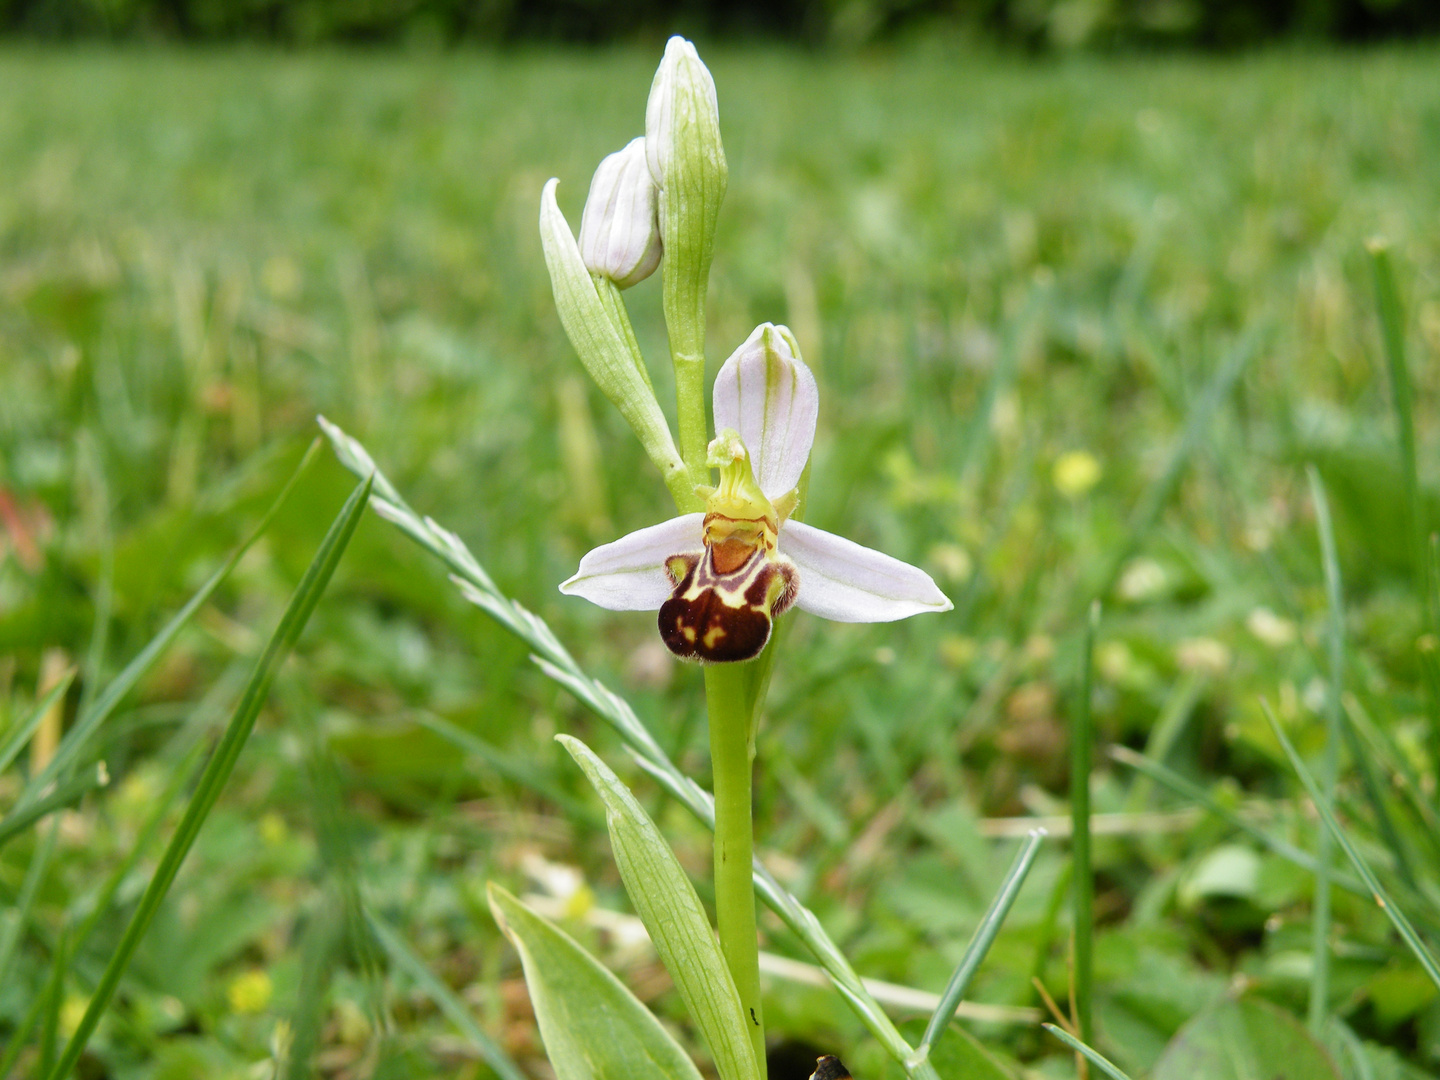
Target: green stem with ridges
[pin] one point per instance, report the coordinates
(731, 696)
(690, 408)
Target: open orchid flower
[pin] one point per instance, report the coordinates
(720, 578)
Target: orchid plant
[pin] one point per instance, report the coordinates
(720, 574)
(736, 557)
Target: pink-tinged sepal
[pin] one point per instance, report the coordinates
(769, 397)
(629, 574)
(846, 582)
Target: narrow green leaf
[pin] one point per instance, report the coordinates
(67, 794)
(671, 911)
(1165, 732)
(100, 903)
(53, 996)
(1377, 891)
(221, 764)
(1392, 335)
(1335, 635)
(322, 951)
(1082, 884)
(592, 1026)
(984, 936)
(90, 721)
(1093, 1056)
(29, 889)
(507, 766)
(444, 997)
(21, 733)
(1186, 789)
(959, 1055)
(1197, 421)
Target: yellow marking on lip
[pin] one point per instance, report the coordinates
(714, 634)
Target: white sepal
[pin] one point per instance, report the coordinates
(843, 581)
(619, 233)
(768, 394)
(629, 574)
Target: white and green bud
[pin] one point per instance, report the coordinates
(602, 345)
(687, 163)
(619, 231)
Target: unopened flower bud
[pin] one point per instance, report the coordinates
(619, 233)
(682, 117)
(687, 162)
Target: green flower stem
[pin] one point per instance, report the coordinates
(690, 406)
(731, 693)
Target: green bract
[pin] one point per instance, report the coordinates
(605, 346)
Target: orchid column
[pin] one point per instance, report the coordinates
(735, 559)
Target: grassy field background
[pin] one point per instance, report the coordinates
(1002, 273)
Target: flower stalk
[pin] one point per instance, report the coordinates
(731, 698)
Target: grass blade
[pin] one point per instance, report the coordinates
(1157, 495)
(1093, 1056)
(101, 903)
(980, 944)
(1185, 789)
(71, 791)
(507, 767)
(1392, 335)
(52, 996)
(1335, 635)
(123, 683)
(21, 733)
(221, 763)
(29, 889)
(1382, 898)
(444, 997)
(321, 948)
(1082, 756)
(1168, 726)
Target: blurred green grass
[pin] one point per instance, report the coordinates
(990, 264)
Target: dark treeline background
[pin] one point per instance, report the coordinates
(1030, 24)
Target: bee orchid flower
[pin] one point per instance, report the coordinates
(719, 578)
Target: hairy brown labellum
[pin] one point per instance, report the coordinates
(725, 601)
(829, 1068)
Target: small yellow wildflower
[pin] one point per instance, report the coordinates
(273, 830)
(71, 1013)
(1075, 473)
(250, 992)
